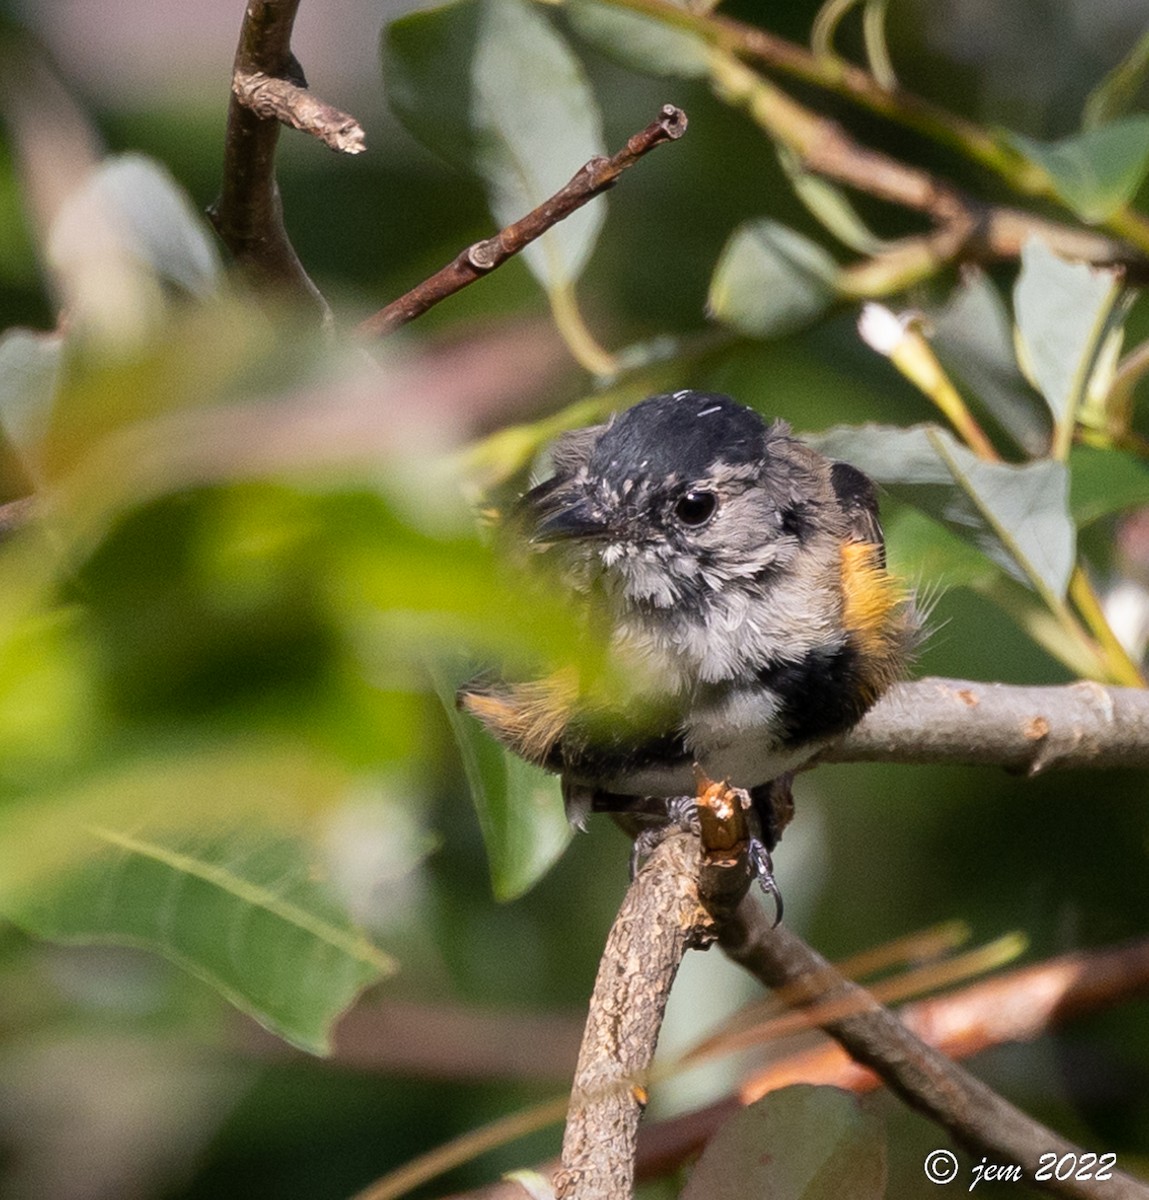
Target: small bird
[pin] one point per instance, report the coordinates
(737, 581)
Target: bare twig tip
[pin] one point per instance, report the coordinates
(673, 121)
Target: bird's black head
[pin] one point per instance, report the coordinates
(681, 435)
(677, 496)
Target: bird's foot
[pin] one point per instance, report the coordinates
(681, 814)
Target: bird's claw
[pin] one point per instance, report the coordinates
(763, 867)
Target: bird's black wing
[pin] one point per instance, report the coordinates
(858, 497)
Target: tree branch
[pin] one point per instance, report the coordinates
(975, 1116)
(660, 917)
(686, 886)
(477, 260)
(248, 216)
(1024, 729)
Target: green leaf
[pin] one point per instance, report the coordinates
(1115, 94)
(771, 280)
(29, 376)
(1103, 482)
(492, 86)
(923, 551)
(1016, 515)
(640, 42)
(242, 910)
(973, 337)
(797, 1143)
(1063, 312)
(1097, 171)
(519, 806)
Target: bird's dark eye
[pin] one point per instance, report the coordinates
(695, 507)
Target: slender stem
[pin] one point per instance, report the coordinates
(578, 338)
(1122, 668)
(967, 228)
(591, 180)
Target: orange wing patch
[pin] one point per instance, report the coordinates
(878, 614)
(529, 717)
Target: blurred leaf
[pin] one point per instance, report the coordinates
(771, 280)
(1115, 94)
(797, 1143)
(158, 222)
(973, 337)
(1063, 311)
(153, 856)
(924, 552)
(1103, 482)
(520, 807)
(492, 86)
(830, 205)
(1017, 515)
(1097, 171)
(640, 42)
(29, 377)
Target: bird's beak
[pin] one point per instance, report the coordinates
(575, 520)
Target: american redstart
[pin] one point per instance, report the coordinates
(738, 580)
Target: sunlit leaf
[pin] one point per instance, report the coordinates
(973, 337)
(492, 86)
(771, 280)
(1097, 171)
(640, 42)
(1063, 311)
(179, 855)
(1017, 515)
(797, 1143)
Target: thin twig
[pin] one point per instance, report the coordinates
(974, 1115)
(1013, 1006)
(1016, 1005)
(1024, 729)
(477, 260)
(248, 216)
(283, 100)
(860, 86)
(966, 228)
